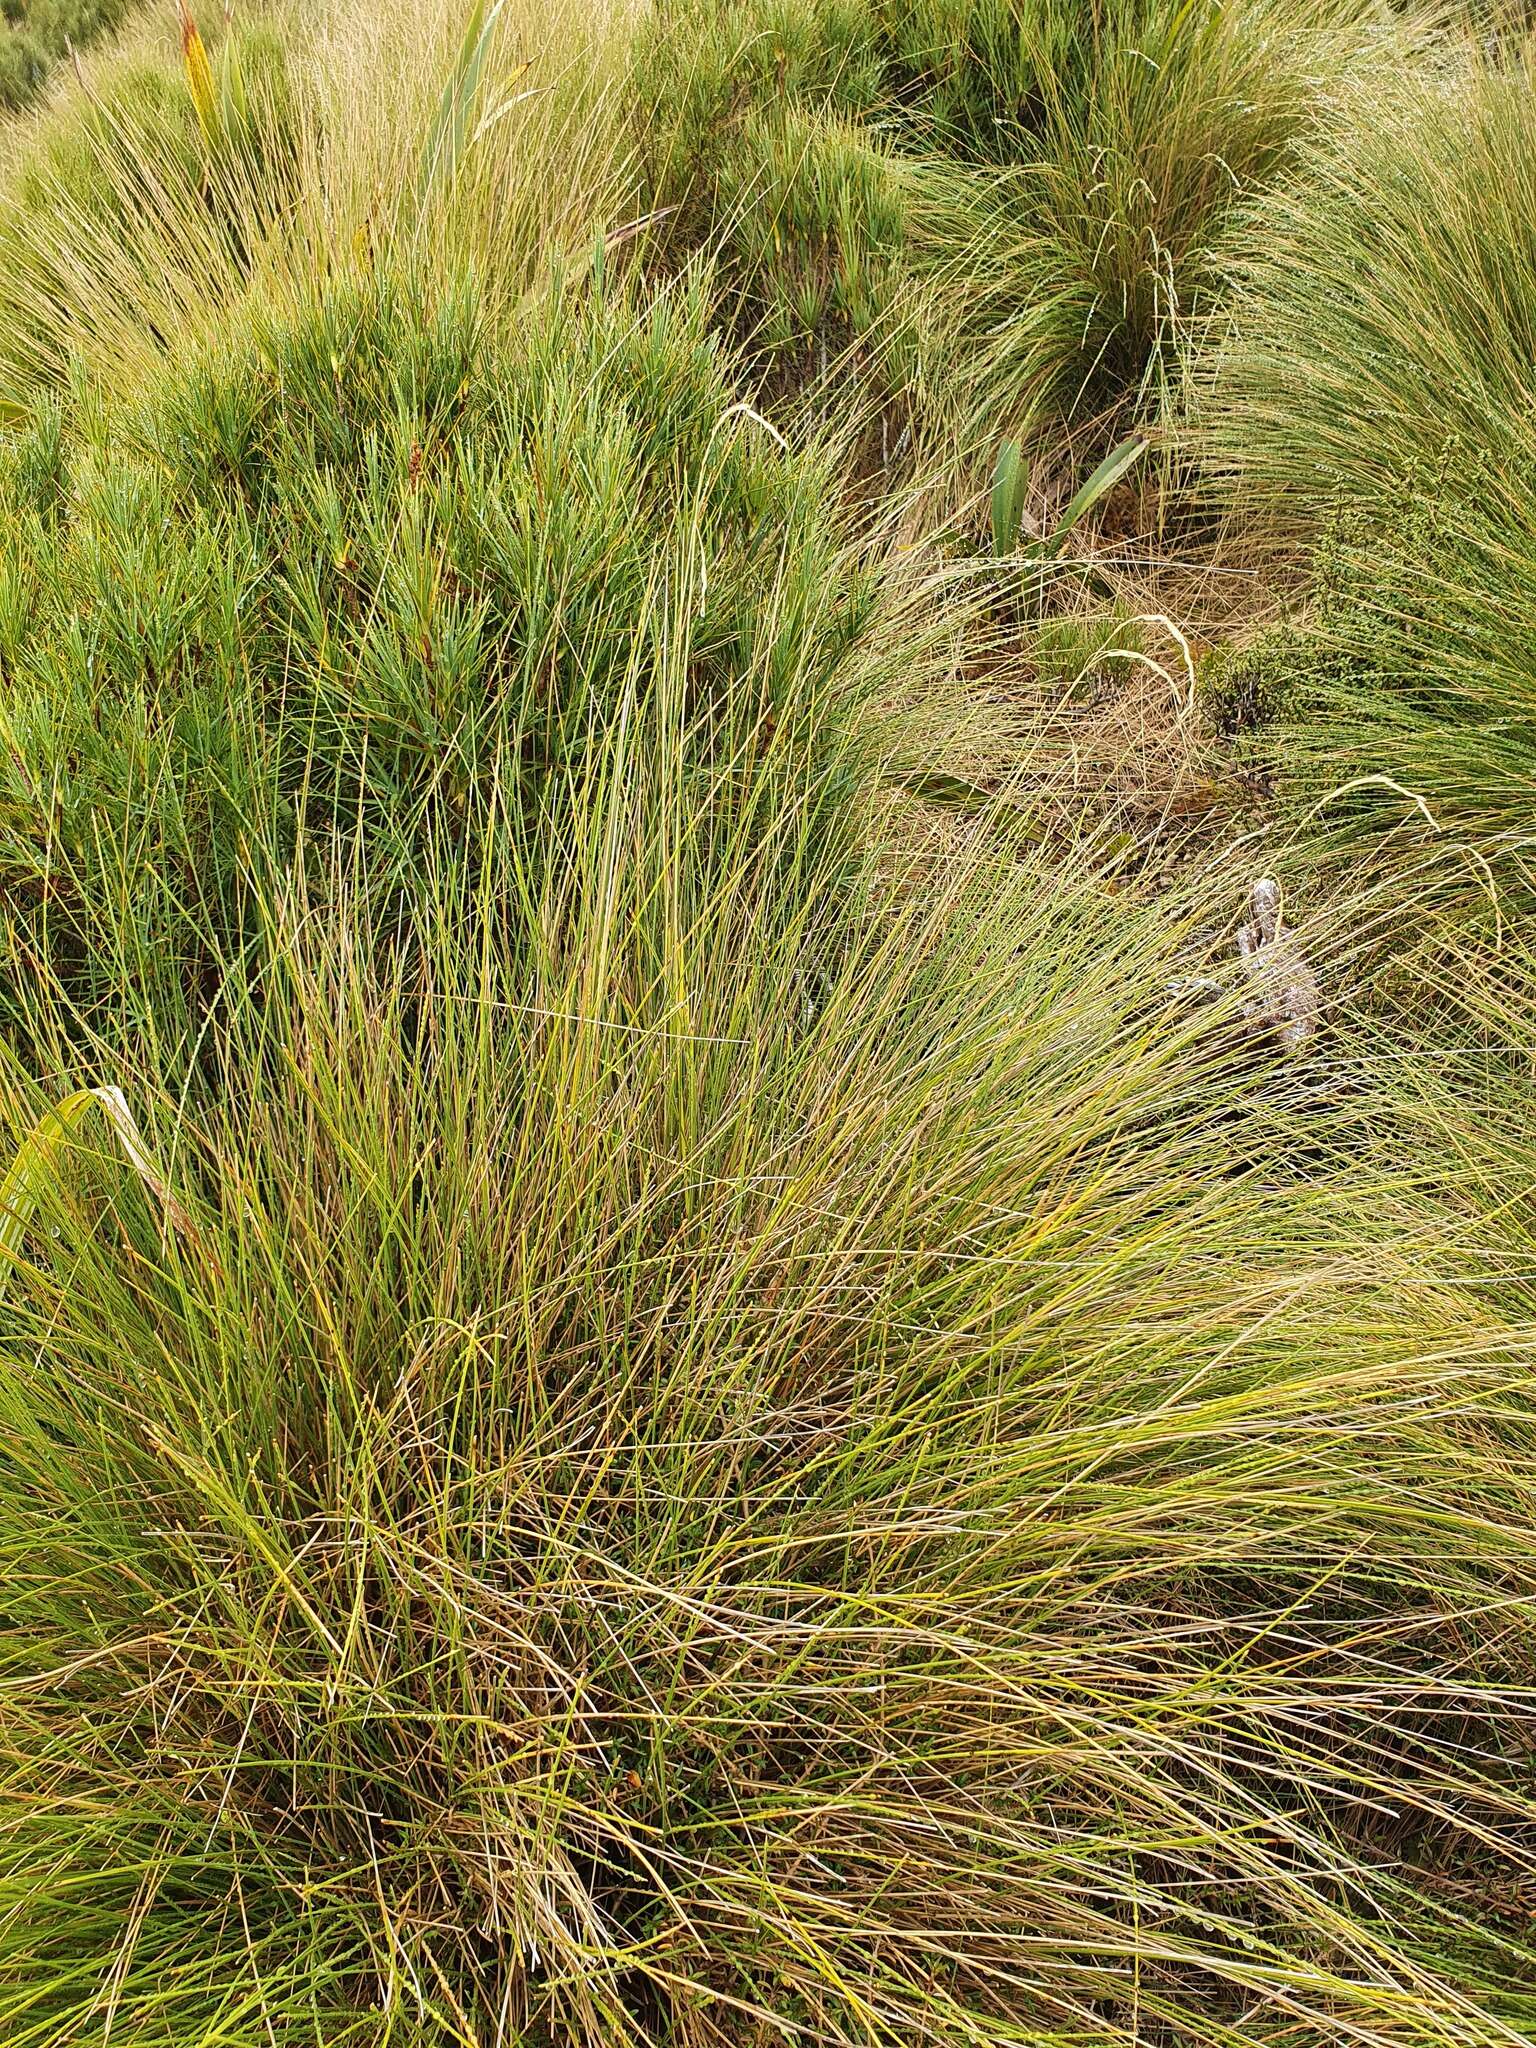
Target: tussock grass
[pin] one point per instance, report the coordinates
(1373, 409)
(1080, 160)
(670, 1493)
(642, 1401)
(470, 151)
(139, 199)
(1135, 130)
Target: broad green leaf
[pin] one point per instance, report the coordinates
(1008, 484)
(1116, 464)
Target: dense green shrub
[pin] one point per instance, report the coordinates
(380, 574)
(36, 33)
(705, 66)
(819, 220)
(762, 149)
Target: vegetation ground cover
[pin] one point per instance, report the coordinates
(707, 1335)
(37, 34)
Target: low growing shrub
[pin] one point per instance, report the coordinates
(380, 574)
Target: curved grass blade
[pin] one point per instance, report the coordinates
(445, 144)
(40, 1153)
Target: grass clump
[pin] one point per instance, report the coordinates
(1130, 133)
(136, 199)
(650, 1496)
(1373, 410)
(1088, 159)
